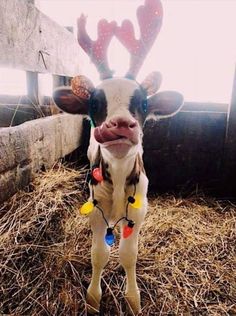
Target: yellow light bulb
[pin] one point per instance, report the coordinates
(138, 201)
(86, 208)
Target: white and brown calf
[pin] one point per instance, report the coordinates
(119, 108)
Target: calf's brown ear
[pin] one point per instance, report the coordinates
(75, 99)
(164, 104)
(68, 102)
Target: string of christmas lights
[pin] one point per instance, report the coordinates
(135, 201)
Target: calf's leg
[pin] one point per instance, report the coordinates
(99, 257)
(128, 251)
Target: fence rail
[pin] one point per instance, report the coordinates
(32, 42)
(29, 40)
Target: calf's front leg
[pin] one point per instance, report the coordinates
(128, 251)
(99, 257)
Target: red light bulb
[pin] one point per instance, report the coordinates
(128, 229)
(97, 174)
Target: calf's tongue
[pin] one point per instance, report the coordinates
(103, 135)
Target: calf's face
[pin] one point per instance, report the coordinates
(118, 108)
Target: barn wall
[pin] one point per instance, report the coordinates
(185, 150)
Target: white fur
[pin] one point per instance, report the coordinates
(118, 93)
(113, 201)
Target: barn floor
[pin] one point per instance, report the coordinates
(186, 266)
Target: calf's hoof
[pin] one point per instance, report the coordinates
(133, 301)
(93, 302)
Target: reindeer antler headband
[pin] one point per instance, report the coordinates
(149, 19)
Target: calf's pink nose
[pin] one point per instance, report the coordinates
(120, 122)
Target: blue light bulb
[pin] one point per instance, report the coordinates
(110, 238)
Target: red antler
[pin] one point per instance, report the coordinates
(97, 50)
(150, 20)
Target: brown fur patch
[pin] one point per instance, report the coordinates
(133, 178)
(105, 173)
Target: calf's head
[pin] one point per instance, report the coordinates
(118, 108)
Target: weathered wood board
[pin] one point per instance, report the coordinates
(16, 114)
(205, 106)
(29, 40)
(185, 150)
(35, 145)
(6, 99)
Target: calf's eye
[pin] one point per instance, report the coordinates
(144, 106)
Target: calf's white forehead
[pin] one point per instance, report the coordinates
(118, 92)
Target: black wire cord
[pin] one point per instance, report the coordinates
(95, 202)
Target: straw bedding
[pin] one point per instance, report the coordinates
(186, 265)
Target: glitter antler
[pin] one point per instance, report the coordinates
(150, 20)
(97, 50)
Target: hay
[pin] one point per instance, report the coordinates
(186, 265)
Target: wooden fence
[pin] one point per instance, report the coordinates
(30, 41)
(195, 148)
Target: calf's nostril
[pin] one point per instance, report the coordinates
(132, 124)
(114, 124)
(121, 122)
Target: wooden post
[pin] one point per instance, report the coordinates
(229, 162)
(33, 90)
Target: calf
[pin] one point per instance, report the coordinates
(118, 109)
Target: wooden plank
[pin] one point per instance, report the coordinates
(35, 145)
(185, 149)
(15, 110)
(16, 114)
(229, 170)
(29, 40)
(21, 99)
(205, 106)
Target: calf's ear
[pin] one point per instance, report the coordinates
(75, 99)
(152, 82)
(68, 102)
(164, 104)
